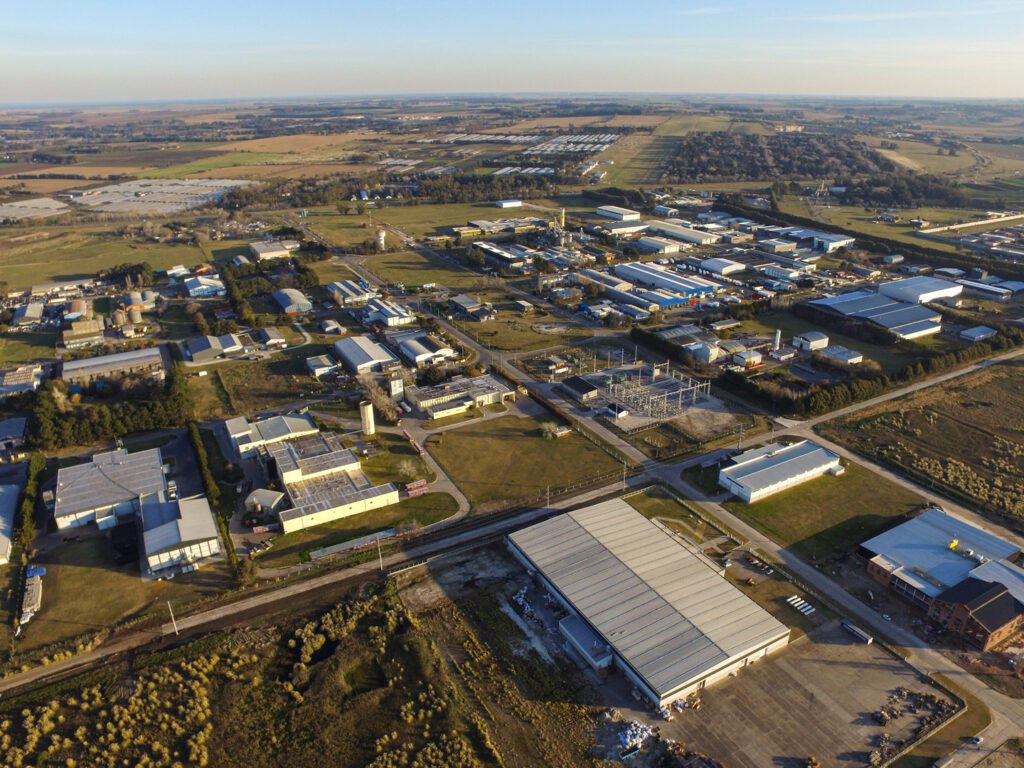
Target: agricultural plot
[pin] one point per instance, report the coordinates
(508, 459)
(828, 517)
(963, 436)
(69, 255)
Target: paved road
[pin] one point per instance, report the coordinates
(1008, 713)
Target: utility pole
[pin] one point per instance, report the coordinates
(623, 476)
(173, 622)
(548, 505)
(380, 556)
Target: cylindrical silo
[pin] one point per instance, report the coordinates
(366, 414)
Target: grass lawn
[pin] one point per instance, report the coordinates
(419, 511)
(72, 254)
(890, 358)
(829, 516)
(419, 269)
(508, 459)
(255, 385)
(513, 332)
(25, 346)
(209, 398)
(393, 454)
(704, 478)
(447, 421)
(84, 592)
(951, 737)
(656, 502)
(175, 324)
(340, 229)
(329, 272)
(225, 250)
(419, 220)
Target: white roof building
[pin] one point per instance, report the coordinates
(649, 600)
(361, 353)
(248, 437)
(920, 290)
(8, 508)
(760, 472)
(687, 235)
(617, 213)
(267, 251)
(177, 533)
(722, 266)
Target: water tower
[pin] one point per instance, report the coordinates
(366, 415)
(382, 237)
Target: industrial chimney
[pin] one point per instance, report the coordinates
(366, 414)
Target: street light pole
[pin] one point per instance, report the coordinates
(174, 623)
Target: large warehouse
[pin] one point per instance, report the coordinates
(920, 290)
(685, 234)
(660, 277)
(760, 472)
(643, 600)
(361, 354)
(904, 319)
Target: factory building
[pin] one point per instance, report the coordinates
(722, 266)
(669, 280)
(920, 290)
(685, 234)
(837, 353)
(361, 354)
(292, 301)
(27, 314)
(117, 486)
(645, 602)
(321, 365)
(9, 495)
(810, 341)
(386, 313)
(25, 378)
(324, 481)
(349, 293)
(659, 245)
(140, 363)
(205, 349)
(205, 286)
(247, 438)
(903, 319)
(978, 333)
(464, 392)
(760, 472)
(274, 249)
(420, 349)
(617, 213)
(965, 577)
(83, 333)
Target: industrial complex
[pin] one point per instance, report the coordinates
(644, 601)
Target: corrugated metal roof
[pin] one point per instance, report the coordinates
(8, 506)
(110, 478)
(168, 525)
(772, 464)
(1004, 572)
(918, 550)
(661, 605)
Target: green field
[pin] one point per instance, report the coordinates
(419, 220)
(829, 516)
(255, 385)
(85, 593)
(511, 331)
(415, 269)
(27, 346)
(418, 511)
(508, 459)
(226, 160)
(72, 255)
(891, 359)
(342, 230)
(175, 324)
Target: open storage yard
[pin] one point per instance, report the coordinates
(509, 459)
(816, 698)
(963, 436)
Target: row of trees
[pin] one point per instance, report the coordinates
(36, 465)
(139, 275)
(57, 423)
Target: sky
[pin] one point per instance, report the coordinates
(59, 51)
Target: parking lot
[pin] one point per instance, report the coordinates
(818, 697)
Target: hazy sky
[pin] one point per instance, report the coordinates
(114, 50)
